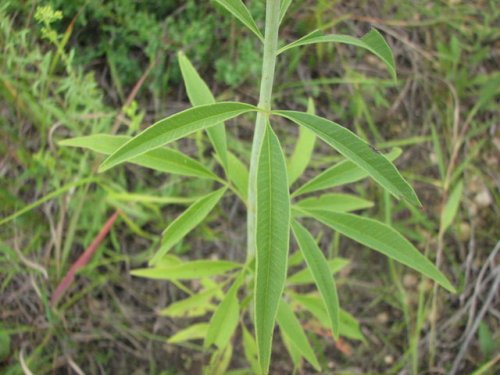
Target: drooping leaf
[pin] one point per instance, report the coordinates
(305, 276)
(336, 202)
(238, 9)
(199, 94)
(162, 159)
(187, 271)
(304, 148)
(358, 151)
(321, 273)
(237, 173)
(373, 41)
(273, 220)
(194, 332)
(384, 239)
(345, 172)
(349, 326)
(187, 221)
(225, 319)
(451, 207)
(175, 127)
(291, 326)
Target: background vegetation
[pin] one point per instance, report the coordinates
(111, 67)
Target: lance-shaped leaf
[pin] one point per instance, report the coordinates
(225, 318)
(451, 207)
(237, 172)
(194, 332)
(238, 9)
(304, 148)
(342, 173)
(349, 326)
(193, 306)
(187, 221)
(336, 202)
(285, 4)
(384, 239)
(199, 94)
(162, 159)
(320, 270)
(358, 151)
(273, 220)
(306, 277)
(175, 127)
(293, 330)
(373, 41)
(196, 269)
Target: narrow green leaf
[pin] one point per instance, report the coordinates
(143, 198)
(238, 9)
(273, 220)
(196, 305)
(225, 319)
(373, 41)
(187, 271)
(199, 94)
(384, 239)
(237, 173)
(292, 350)
(358, 151)
(285, 4)
(250, 349)
(291, 326)
(187, 221)
(306, 277)
(343, 173)
(451, 207)
(175, 127)
(336, 202)
(162, 159)
(322, 275)
(219, 361)
(194, 332)
(349, 326)
(304, 148)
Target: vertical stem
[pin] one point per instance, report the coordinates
(266, 90)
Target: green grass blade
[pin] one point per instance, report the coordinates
(199, 94)
(320, 270)
(187, 221)
(46, 198)
(373, 41)
(342, 173)
(302, 153)
(175, 127)
(196, 269)
(384, 239)
(273, 231)
(162, 159)
(358, 151)
(292, 328)
(238, 9)
(336, 202)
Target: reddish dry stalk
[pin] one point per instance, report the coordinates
(83, 259)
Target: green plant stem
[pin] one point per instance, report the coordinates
(266, 90)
